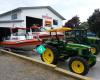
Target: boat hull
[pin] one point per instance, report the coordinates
(21, 44)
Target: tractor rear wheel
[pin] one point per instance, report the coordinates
(50, 55)
(78, 65)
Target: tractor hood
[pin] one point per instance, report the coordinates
(76, 46)
(94, 38)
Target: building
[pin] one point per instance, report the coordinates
(25, 17)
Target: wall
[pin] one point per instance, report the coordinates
(38, 13)
(8, 16)
(10, 24)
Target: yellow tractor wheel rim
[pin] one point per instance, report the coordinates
(93, 50)
(48, 56)
(77, 66)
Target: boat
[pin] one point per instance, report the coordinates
(43, 33)
(11, 39)
(23, 38)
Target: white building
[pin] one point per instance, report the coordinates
(27, 16)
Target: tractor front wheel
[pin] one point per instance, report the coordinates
(50, 55)
(78, 65)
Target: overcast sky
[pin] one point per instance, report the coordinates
(67, 8)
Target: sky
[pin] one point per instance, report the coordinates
(67, 8)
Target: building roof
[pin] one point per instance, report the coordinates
(38, 7)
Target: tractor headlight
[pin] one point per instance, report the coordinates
(92, 50)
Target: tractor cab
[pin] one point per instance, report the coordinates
(80, 34)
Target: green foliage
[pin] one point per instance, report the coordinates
(73, 23)
(84, 25)
(94, 22)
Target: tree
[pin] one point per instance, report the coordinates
(73, 23)
(84, 25)
(94, 22)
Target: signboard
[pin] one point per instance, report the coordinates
(40, 49)
(48, 23)
(47, 20)
(46, 17)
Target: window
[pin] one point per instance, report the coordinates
(14, 16)
(55, 22)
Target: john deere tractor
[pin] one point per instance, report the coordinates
(80, 57)
(80, 36)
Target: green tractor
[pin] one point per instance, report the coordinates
(80, 36)
(80, 57)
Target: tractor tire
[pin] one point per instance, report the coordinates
(92, 61)
(95, 49)
(50, 55)
(78, 65)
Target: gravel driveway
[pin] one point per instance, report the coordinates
(13, 68)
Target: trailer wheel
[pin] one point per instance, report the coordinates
(50, 55)
(78, 65)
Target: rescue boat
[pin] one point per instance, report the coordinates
(12, 40)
